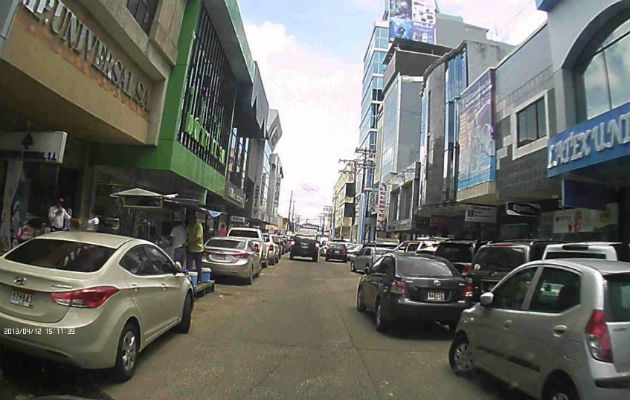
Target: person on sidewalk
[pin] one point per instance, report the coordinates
(58, 217)
(93, 222)
(222, 231)
(178, 239)
(194, 243)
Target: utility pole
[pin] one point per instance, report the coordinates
(365, 162)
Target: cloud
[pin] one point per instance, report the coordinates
(318, 96)
(371, 5)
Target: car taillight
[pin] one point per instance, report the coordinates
(598, 338)
(271, 247)
(292, 243)
(317, 245)
(86, 298)
(468, 291)
(400, 288)
(466, 269)
(328, 251)
(241, 255)
(344, 251)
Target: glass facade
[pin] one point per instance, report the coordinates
(456, 80)
(390, 128)
(237, 161)
(264, 184)
(602, 81)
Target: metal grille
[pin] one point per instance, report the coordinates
(209, 98)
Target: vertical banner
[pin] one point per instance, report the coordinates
(381, 219)
(14, 172)
(477, 143)
(412, 20)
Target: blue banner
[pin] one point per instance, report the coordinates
(477, 147)
(591, 142)
(412, 20)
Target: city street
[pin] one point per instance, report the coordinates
(294, 334)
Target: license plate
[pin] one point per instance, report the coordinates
(219, 256)
(435, 296)
(22, 298)
(336, 251)
(304, 246)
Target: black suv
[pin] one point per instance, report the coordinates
(496, 259)
(304, 246)
(460, 253)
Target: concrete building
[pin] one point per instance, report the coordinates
(275, 185)
(343, 204)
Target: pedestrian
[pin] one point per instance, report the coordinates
(58, 217)
(194, 243)
(93, 222)
(222, 231)
(178, 239)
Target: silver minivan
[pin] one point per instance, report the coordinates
(554, 329)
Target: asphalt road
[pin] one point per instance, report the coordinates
(294, 334)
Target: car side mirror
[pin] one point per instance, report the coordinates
(178, 267)
(487, 299)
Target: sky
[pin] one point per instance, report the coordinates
(310, 54)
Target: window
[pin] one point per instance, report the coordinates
(135, 261)
(601, 75)
(531, 122)
(503, 258)
(367, 252)
(455, 252)
(618, 303)
(243, 233)
(557, 291)
(511, 294)
(388, 265)
(158, 264)
(426, 267)
(63, 255)
(226, 243)
(377, 268)
(143, 12)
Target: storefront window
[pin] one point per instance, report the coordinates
(531, 123)
(143, 11)
(602, 74)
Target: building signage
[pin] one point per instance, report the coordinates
(584, 195)
(522, 209)
(237, 219)
(477, 148)
(46, 147)
(381, 218)
(439, 221)
(412, 20)
(591, 142)
(481, 214)
(235, 194)
(65, 25)
(579, 220)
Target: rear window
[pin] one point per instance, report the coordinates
(382, 251)
(504, 258)
(413, 246)
(423, 267)
(455, 252)
(337, 246)
(551, 255)
(226, 243)
(243, 233)
(618, 308)
(62, 255)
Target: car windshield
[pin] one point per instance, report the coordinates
(420, 266)
(227, 243)
(618, 306)
(455, 252)
(243, 233)
(574, 254)
(413, 246)
(62, 255)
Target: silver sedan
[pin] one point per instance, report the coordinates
(228, 256)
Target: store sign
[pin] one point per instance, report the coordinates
(481, 214)
(87, 46)
(237, 219)
(522, 209)
(46, 147)
(381, 217)
(580, 220)
(235, 194)
(477, 154)
(195, 127)
(583, 195)
(256, 195)
(597, 140)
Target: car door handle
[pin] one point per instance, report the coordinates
(559, 330)
(163, 286)
(134, 287)
(507, 324)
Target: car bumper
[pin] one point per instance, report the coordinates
(615, 388)
(304, 252)
(341, 257)
(443, 312)
(241, 269)
(90, 345)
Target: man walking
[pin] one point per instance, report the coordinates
(194, 243)
(58, 217)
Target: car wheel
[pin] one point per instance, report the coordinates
(561, 389)
(250, 279)
(128, 347)
(184, 325)
(381, 323)
(360, 305)
(460, 356)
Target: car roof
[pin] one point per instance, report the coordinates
(605, 267)
(99, 239)
(244, 229)
(450, 241)
(559, 245)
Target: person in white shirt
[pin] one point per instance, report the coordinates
(58, 217)
(92, 224)
(178, 237)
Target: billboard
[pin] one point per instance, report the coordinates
(412, 20)
(477, 144)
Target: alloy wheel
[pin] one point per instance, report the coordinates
(129, 351)
(463, 357)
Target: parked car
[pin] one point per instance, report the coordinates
(495, 260)
(115, 294)
(459, 252)
(603, 250)
(367, 257)
(353, 250)
(421, 287)
(239, 257)
(555, 329)
(255, 234)
(304, 246)
(427, 247)
(280, 244)
(407, 247)
(337, 251)
(272, 249)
